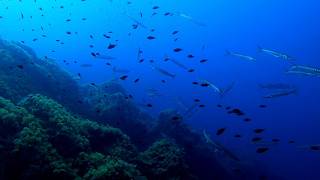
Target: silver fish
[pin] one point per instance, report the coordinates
(178, 64)
(281, 93)
(191, 19)
(275, 53)
(214, 87)
(164, 72)
(305, 70)
(242, 56)
(219, 148)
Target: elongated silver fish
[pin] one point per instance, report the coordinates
(304, 70)
(191, 19)
(242, 56)
(164, 72)
(275, 53)
(281, 93)
(178, 64)
(219, 148)
(214, 87)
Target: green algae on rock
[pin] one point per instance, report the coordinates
(164, 160)
(46, 141)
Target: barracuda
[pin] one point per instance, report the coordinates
(305, 70)
(276, 54)
(242, 56)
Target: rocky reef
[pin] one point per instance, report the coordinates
(22, 73)
(53, 128)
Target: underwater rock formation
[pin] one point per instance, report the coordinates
(41, 140)
(113, 106)
(164, 160)
(22, 73)
(45, 131)
(199, 156)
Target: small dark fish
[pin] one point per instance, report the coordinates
(137, 80)
(155, 7)
(220, 131)
(246, 119)
(176, 118)
(93, 54)
(291, 141)
(151, 37)
(68, 32)
(219, 106)
(20, 66)
(111, 46)
(190, 56)
(191, 70)
(163, 81)
(258, 130)
(195, 83)
(196, 100)
(175, 32)
(237, 112)
(124, 77)
(262, 106)
(315, 147)
(203, 60)
(106, 36)
(228, 108)
(205, 84)
(237, 136)
(261, 150)
(177, 49)
(201, 105)
(149, 105)
(141, 60)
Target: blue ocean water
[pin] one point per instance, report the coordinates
(206, 30)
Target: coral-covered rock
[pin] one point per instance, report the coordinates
(42, 140)
(164, 160)
(199, 156)
(113, 169)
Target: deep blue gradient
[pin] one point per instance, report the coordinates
(288, 26)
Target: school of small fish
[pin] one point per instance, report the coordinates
(273, 90)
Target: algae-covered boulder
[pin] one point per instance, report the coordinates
(42, 140)
(199, 156)
(164, 160)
